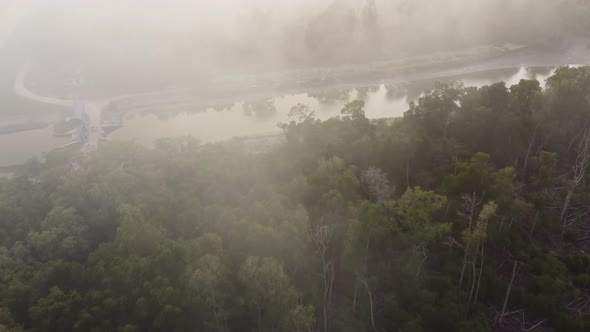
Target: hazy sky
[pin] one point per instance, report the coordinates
(210, 36)
(234, 19)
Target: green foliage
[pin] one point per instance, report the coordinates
(301, 113)
(415, 211)
(300, 319)
(7, 322)
(354, 110)
(56, 311)
(135, 235)
(311, 233)
(266, 290)
(412, 326)
(60, 236)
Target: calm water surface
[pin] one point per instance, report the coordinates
(239, 120)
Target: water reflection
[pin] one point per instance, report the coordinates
(16, 148)
(261, 117)
(258, 118)
(523, 73)
(255, 117)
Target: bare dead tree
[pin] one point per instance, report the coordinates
(473, 276)
(532, 328)
(480, 273)
(449, 120)
(579, 134)
(451, 242)
(478, 236)
(376, 185)
(581, 305)
(501, 316)
(424, 258)
(514, 322)
(322, 237)
(370, 294)
(501, 224)
(579, 170)
(361, 270)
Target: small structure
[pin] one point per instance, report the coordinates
(78, 112)
(78, 121)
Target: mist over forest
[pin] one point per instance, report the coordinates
(209, 37)
(294, 166)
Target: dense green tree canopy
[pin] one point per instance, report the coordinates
(468, 214)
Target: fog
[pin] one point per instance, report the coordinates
(181, 39)
(176, 63)
(294, 165)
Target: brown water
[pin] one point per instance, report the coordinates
(16, 148)
(238, 120)
(212, 125)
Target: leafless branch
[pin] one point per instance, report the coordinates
(501, 316)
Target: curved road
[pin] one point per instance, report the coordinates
(92, 108)
(14, 12)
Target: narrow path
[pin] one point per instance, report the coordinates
(92, 108)
(22, 91)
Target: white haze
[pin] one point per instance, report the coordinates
(128, 46)
(211, 36)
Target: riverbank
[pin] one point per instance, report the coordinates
(20, 127)
(225, 91)
(231, 108)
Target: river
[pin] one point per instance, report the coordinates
(146, 125)
(240, 116)
(381, 101)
